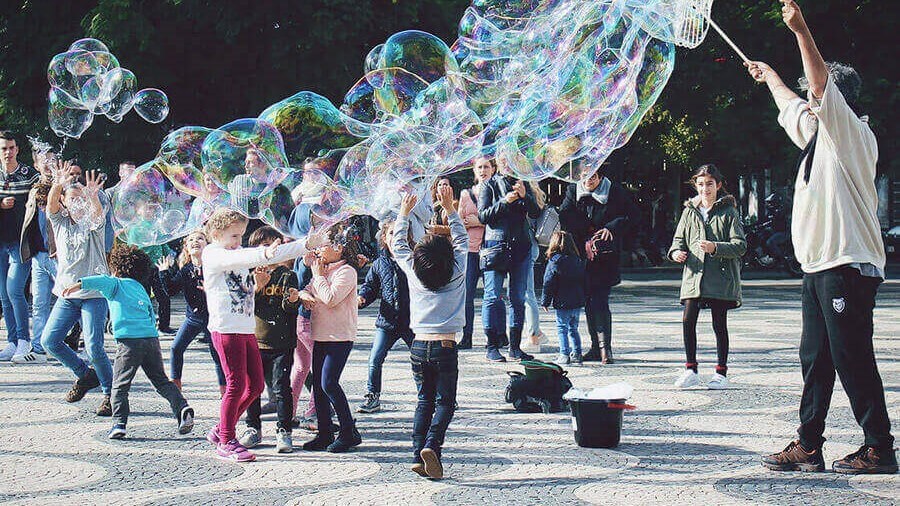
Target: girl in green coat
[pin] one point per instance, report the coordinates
(709, 241)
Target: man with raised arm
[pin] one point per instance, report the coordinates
(837, 240)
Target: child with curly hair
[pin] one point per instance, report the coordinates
(134, 328)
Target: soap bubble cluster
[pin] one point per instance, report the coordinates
(87, 81)
(547, 87)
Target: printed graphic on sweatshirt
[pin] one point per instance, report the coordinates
(240, 289)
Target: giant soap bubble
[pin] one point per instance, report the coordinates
(88, 78)
(547, 87)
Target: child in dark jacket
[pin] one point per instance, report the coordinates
(277, 301)
(564, 290)
(386, 280)
(188, 278)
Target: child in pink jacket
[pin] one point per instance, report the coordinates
(332, 298)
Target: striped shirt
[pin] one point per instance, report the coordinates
(16, 184)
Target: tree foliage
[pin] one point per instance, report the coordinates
(220, 61)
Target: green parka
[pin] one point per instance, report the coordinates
(716, 276)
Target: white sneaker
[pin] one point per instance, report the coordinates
(250, 438)
(32, 357)
(284, 443)
(22, 349)
(687, 379)
(7, 354)
(718, 382)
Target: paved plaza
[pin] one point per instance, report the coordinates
(678, 447)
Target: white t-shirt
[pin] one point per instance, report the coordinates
(229, 285)
(835, 219)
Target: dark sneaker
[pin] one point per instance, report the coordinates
(82, 386)
(185, 420)
(867, 460)
(795, 458)
(169, 331)
(593, 355)
(319, 443)
(372, 403)
(465, 343)
(519, 355)
(117, 431)
(345, 442)
(432, 461)
(494, 355)
(105, 407)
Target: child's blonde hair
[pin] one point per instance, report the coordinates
(221, 219)
(184, 257)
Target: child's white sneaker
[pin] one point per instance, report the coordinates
(688, 379)
(561, 359)
(284, 443)
(718, 382)
(250, 438)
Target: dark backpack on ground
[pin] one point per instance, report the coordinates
(540, 389)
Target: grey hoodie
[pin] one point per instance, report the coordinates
(441, 311)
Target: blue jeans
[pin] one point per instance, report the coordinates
(435, 366)
(532, 308)
(382, 343)
(14, 274)
(329, 359)
(473, 274)
(493, 308)
(191, 328)
(92, 313)
(567, 330)
(43, 276)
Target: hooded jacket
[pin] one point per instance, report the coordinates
(717, 275)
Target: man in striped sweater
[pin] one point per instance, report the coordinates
(15, 184)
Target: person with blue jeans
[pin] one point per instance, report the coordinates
(16, 181)
(435, 270)
(77, 216)
(188, 278)
(386, 280)
(483, 168)
(504, 206)
(564, 291)
(38, 246)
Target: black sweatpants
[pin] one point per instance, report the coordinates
(277, 371)
(837, 335)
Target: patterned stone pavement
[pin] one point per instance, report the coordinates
(678, 447)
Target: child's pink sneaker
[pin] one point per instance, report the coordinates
(234, 452)
(213, 436)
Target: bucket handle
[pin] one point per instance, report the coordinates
(616, 405)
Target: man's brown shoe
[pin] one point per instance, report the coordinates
(867, 460)
(82, 385)
(795, 458)
(419, 468)
(433, 467)
(105, 407)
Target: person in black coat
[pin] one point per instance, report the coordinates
(387, 281)
(504, 206)
(598, 213)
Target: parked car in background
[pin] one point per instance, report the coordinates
(892, 243)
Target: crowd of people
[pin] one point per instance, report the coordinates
(283, 313)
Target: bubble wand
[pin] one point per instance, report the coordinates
(692, 21)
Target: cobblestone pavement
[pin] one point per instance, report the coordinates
(678, 447)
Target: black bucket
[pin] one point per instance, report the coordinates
(597, 423)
